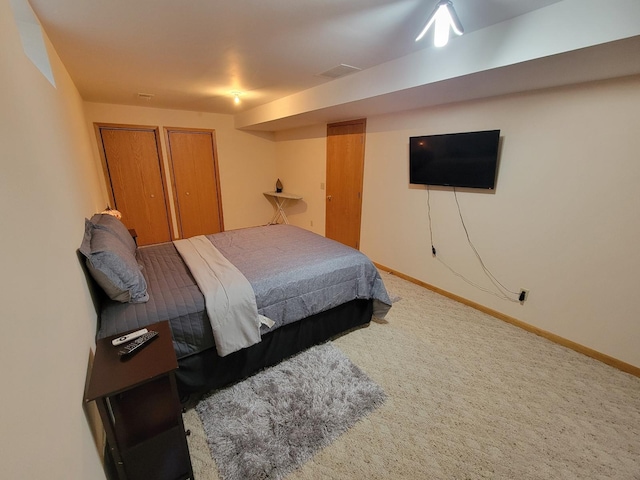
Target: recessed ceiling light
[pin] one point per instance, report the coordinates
(236, 97)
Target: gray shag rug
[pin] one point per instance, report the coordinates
(271, 423)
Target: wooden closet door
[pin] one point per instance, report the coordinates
(131, 157)
(345, 172)
(196, 181)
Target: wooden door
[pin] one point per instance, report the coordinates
(196, 184)
(345, 169)
(135, 179)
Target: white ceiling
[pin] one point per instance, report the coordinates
(191, 54)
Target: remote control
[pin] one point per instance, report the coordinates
(138, 343)
(127, 337)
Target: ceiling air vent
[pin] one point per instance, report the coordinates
(339, 71)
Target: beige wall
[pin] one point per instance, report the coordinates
(48, 184)
(301, 157)
(563, 221)
(247, 162)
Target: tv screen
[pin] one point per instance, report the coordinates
(467, 159)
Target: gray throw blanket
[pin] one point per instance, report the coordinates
(229, 298)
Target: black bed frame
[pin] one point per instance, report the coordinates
(206, 371)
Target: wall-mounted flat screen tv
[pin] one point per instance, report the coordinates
(467, 159)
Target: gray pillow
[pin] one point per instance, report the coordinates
(116, 227)
(113, 266)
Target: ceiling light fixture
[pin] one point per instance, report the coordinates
(444, 16)
(236, 97)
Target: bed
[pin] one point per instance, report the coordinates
(306, 289)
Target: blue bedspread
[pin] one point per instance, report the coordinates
(296, 273)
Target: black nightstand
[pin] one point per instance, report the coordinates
(140, 409)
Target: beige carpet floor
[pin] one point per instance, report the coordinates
(471, 397)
